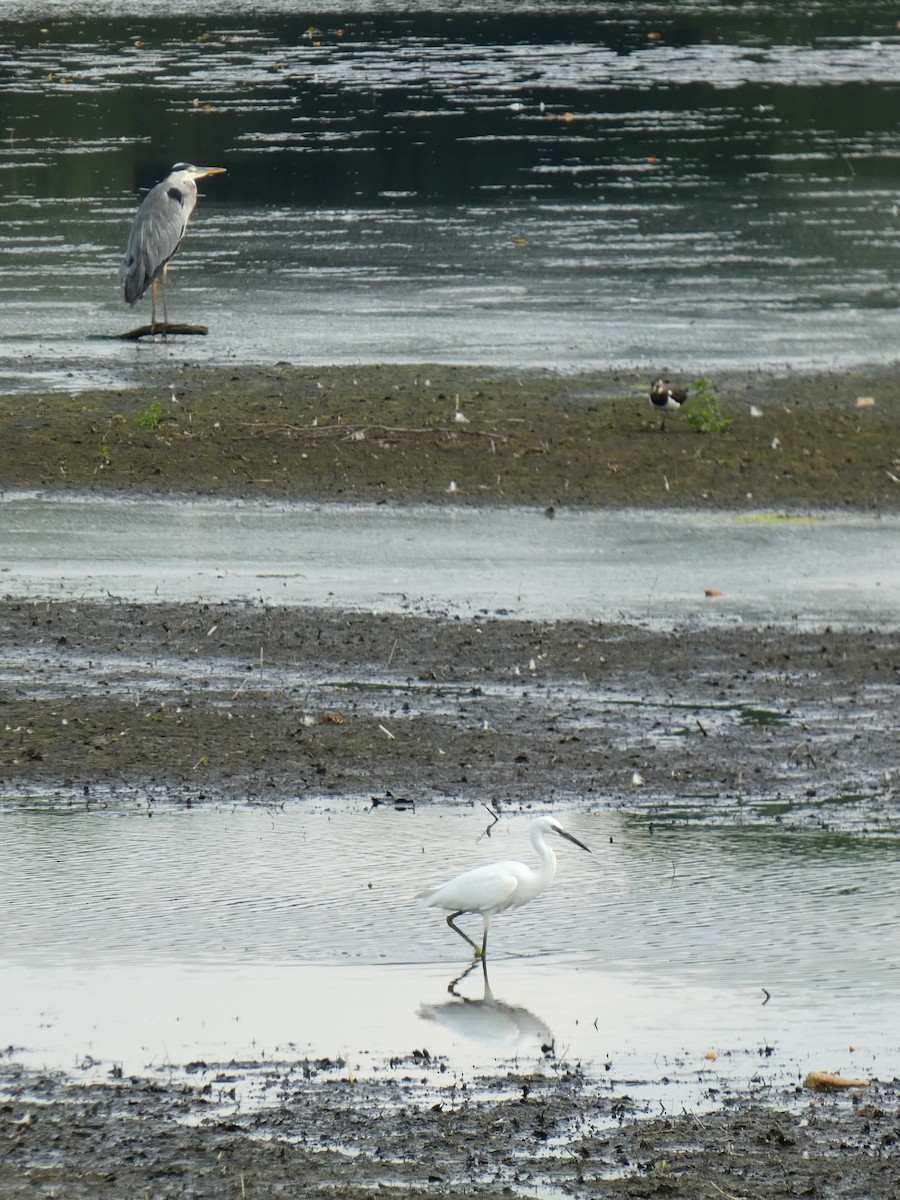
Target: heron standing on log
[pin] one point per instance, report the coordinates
(156, 233)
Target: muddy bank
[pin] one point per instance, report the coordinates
(184, 703)
(315, 1132)
(476, 436)
(150, 705)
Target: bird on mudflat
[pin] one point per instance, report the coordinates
(498, 886)
(157, 232)
(667, 398)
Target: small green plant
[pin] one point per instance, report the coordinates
(704, 413)
(104, 453)
(150, 417)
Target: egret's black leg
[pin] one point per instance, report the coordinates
(451, 921)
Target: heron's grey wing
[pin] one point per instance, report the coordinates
(155, 236)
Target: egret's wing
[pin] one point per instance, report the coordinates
(155, 236)
(479, 890)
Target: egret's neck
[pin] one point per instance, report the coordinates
(547, 868)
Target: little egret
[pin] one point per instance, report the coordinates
(497, 886)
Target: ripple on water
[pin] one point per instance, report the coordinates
(212, 932)
(743, 163)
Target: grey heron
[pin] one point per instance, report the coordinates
(157, 230)
(498, 886)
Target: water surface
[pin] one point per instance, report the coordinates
(209, 934)
(825, 567)
(689, 186)
(514, 184)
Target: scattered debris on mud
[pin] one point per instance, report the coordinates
(313, 1131)
(151, 704)
(465, 435)
(182, 703)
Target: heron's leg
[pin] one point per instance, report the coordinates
(153, 306)
(165, 288)
(451, 921)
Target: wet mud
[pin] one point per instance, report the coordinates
(440, 434)
(532, 1133)
(175, 704)
(124, 705)
(151, 705)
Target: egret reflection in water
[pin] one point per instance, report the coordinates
(508, 1029)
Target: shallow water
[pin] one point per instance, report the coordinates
(537, 184)
(594, 565)
(543, 185)
(248, 933)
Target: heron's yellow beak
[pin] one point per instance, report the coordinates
(200, 172)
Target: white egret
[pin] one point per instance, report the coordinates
(498, 886)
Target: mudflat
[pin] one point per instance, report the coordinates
(179, 704)
(103, 704)
(467, 435)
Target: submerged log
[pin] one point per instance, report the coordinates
(165, 329)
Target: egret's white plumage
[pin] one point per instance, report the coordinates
(498, 886)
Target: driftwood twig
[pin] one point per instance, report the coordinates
(134, 335)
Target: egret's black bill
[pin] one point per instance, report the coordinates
(570, 837)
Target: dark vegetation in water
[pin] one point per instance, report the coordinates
(464, 435)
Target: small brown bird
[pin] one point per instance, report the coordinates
(667, 398)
